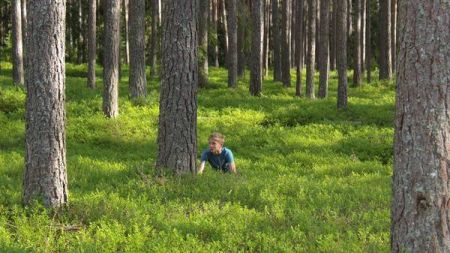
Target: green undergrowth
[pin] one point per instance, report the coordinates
(311, 178)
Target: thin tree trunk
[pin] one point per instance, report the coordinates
(341, 53)
(299, 47)
(310, 58)
(421, 195)
(232, 47)
(18, 75)
(45, 177)
(137, 81)
(357, 53)
(92, 42)
(24, 20)
(333, 37)
(256, 61)
(393, 33)
(225, 27)
(241, 39)
(324, 48)
(285, 49)
(177, 131)
(111, 47)
(277, 74)
(127, 32)
(154, 37)
(203, 43)
(363, 36)
(368, 43)
(215, 20)
(80, 39)
(385, 40)
(266, 39)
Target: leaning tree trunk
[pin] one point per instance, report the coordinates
(310, 57)
(18, 75)
(324, 48)
(45, 177)
(357, 47)
(299, 47)
(232, 47)
(177, 132)
(257, 35)
(341, 53)
(385, 40)
(138, 81)
(420, 214)
(203, 43)
(111, 45)
(92, 42)
(285, 48)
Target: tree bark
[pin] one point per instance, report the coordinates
(92, 42)
(363, 36)
(45, 177)
(341, 53)
(242, 18)
(177, 131)
(299, 47)
(421, 195)
(368, 47)
(393, 34)
(215, 19)
(203, 43)
(357, 53)
(385, 40)
(17, 48)
(324, 59)
(285, 49)
(310, 57)
(232, 47)
(277, 74)
(111, 47)
(24, 20)
(138, 80)
(127, 31)
(154, 37)
(333, 37)
(256, 61)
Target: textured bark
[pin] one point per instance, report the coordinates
(45, 177)
(256, 60)
(276, 42)
(232, 47)
(324, 59)
(333, 37)
(92, 42)
(385, 60)
(299, 47)
(310, 57)
(17, 48)
(341, 53)
(420, 215)
(357, 53)
(111, 58)
(138, 81)
(177, 132)
(203, 43)
(285, 48)
(127, 31)
(368, 43)
(393, 34)
(154, 37)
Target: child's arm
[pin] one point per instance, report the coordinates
(233, 167)
(201, 168)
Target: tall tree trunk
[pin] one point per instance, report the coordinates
(357, 53)
(285, 49)
(45, 177)
(177, 131)
(225, 26)
(363, 36)
(127, 32)
(299, 47)
(368, 43)
(256, 60)
(333, 36)
(111, 47)
(138, 81)
(215, 20)
(18, 75)
(421, 195)
(316, 55)
(277, 74)
(266, 38)
(203, 43)
(241, 38)
(232, 47)
(154, 37)
(324, 47)
(393, 34)
(310, 58)
(385, 40)
(24, 20)
(92, 42)
(80, 39)
(341, 53)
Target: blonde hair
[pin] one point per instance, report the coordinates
(216, 136)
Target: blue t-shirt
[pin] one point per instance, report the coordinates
(219, 162)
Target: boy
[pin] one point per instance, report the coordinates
(220, 157)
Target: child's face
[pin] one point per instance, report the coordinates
(215, 147)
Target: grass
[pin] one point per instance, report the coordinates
(312, 178)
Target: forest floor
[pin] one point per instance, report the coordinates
(311, 178)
